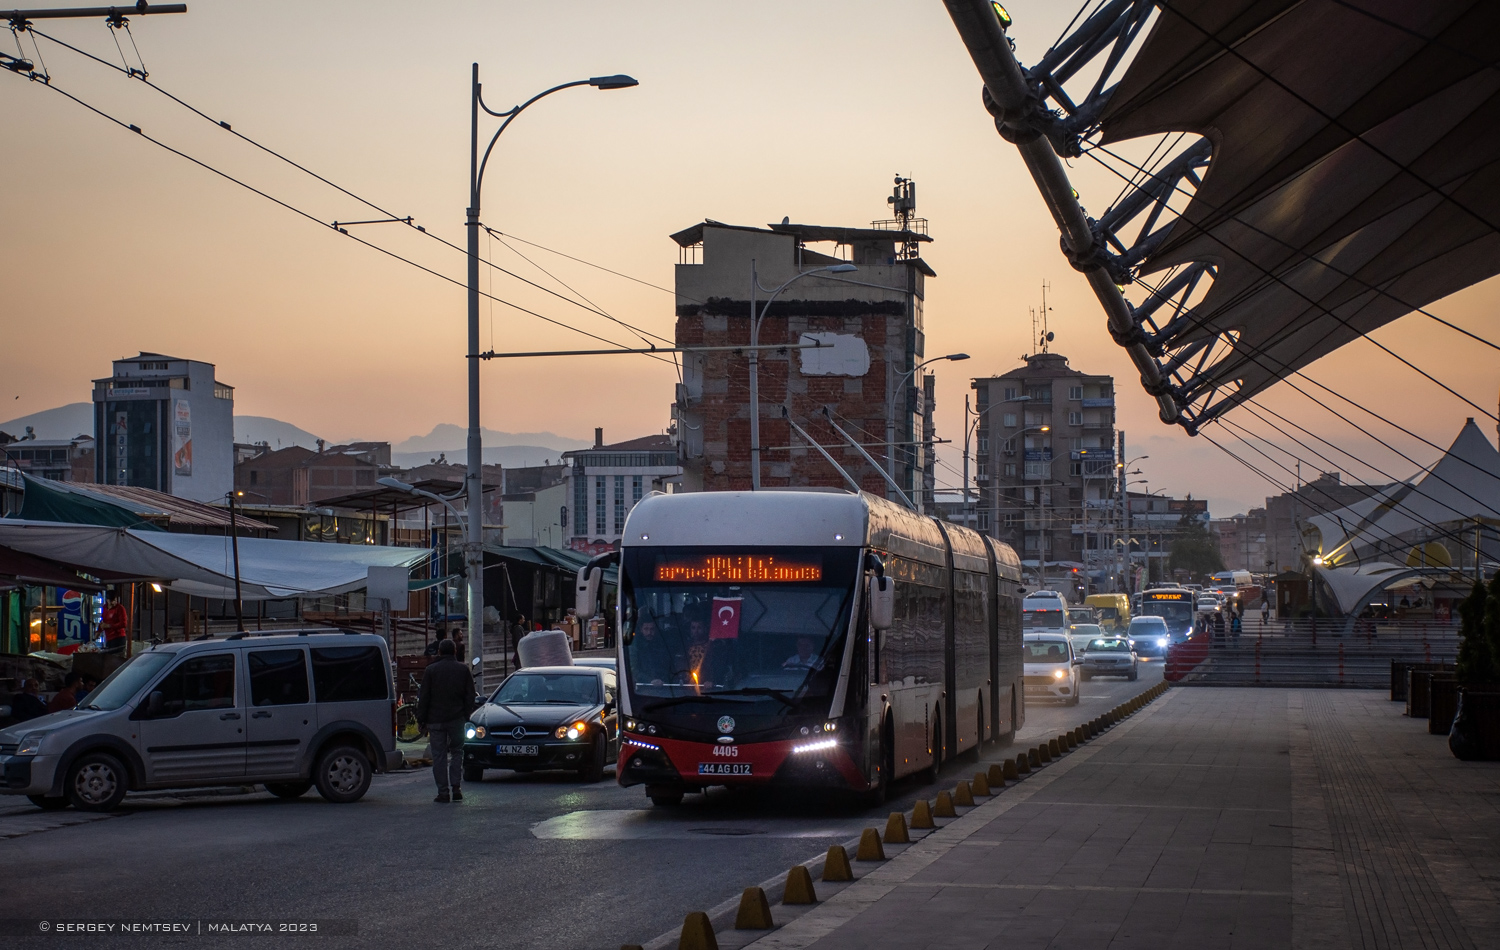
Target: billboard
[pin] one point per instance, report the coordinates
(71, 628)
(182, 438)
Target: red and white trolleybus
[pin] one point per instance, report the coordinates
(817, 639)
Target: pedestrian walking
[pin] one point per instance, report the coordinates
(443, 706)
(1265, 611)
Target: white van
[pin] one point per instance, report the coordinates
(291, 711)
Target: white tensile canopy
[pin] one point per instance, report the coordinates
(203, 565)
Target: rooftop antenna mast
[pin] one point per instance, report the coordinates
(903, 202)
(1046, 336)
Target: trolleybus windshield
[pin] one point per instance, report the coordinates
(762, 627)
(1174, 606)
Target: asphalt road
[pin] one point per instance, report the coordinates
(525, 861)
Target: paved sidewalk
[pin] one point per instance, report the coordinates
(1254, 818)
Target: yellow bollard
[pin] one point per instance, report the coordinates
(1053, 750)
(962, 795)
(1043, 754)
(944, 806)
(980, 785)
(836, 865)
(1071, 738)
(697, 933)
(996, 775)
(895, 829)
(869, 846)
(921, 815)
(799, 887)
(754, 912)
(1014, 768)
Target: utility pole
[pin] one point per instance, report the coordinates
(234, 542)
(1125, 580)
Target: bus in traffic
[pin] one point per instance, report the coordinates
(809, 639)
(1175, 605)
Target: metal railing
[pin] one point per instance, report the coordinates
(1310, 652)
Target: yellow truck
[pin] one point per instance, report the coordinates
(1113, 610)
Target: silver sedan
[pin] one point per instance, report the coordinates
(1109, 656)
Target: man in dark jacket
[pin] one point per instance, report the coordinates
(443, 706)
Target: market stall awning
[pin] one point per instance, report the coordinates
(18, 569)
(203, 565)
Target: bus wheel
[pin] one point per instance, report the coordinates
(664, 796)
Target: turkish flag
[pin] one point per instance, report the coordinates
(726, 618)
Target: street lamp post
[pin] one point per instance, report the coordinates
(1122, 467)
(473, 535)
(890, 411)
(969, 430)
(755, 321)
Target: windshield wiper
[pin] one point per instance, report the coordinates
(679, 700)
(777, 694)
(92, 706)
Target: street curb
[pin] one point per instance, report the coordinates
(809, 923)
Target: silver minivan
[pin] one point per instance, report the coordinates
(291, 711)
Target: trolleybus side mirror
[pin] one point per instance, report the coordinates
(587, 599)
(882, 602)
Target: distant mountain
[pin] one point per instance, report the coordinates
(510, 456)
(273, 432)
(77, 418)
(451, 438)
(64, 422)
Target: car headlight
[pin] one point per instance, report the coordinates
(577, 729)
(561, 732)
(1161, 641)
(31, 744)
(1059, 674)
(478, 732)
(471, 731)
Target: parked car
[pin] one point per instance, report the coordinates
(1150, 635)
(1051, 669)
(289, 711)
(546, 717)
(1109, 656)
(1081, 633)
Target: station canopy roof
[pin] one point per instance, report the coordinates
(1462, 487)
(203, 565)
(1356, 164)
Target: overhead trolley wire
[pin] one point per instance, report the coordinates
(141, 76)
(301, 213)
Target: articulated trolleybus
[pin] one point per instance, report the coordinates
(809, 639)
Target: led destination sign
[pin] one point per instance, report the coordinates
(737, 569)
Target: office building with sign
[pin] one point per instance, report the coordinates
(167, 424)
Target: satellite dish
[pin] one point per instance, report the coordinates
(1051, 336)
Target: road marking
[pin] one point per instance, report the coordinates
(1214, 891)
(681, 824)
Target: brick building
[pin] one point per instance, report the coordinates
(299, 476)
(871, 319)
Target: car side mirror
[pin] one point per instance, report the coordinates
(155, 703)
(586, 599)
(474, 662)
(1077, 661)
(609, 707)
(882, 602)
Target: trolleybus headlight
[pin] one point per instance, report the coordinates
(470, 731)
(830, 726)
(821, 745)
(630, 724)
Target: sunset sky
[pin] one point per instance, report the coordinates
(745, 113)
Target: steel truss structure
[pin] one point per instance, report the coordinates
(1291, 250)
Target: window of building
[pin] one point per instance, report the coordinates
(1075, 418)
(149, 366)
(636, 487)
(984, 520)
(984, 445)
(619, 503)
(1010, 469)
(581, 503)
(982, 396)
(1010, 392)
(599, 504)
(1010, 420)
(1009, 445)
(984, 468)
(1075, 393)
(223, 392)
(1075, 468)
(254, 477)
(1039, 393)
(1105, 392)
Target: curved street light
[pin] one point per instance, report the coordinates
(890, 409)
(474, 523)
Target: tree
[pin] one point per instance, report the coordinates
(1479, 633)
(1194, 549)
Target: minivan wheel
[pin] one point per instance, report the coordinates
(288, 789)
(342, 775)
(48, 802)
(96, 782)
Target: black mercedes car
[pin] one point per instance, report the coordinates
(546, 717)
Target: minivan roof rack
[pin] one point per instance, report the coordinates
(244, 634)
